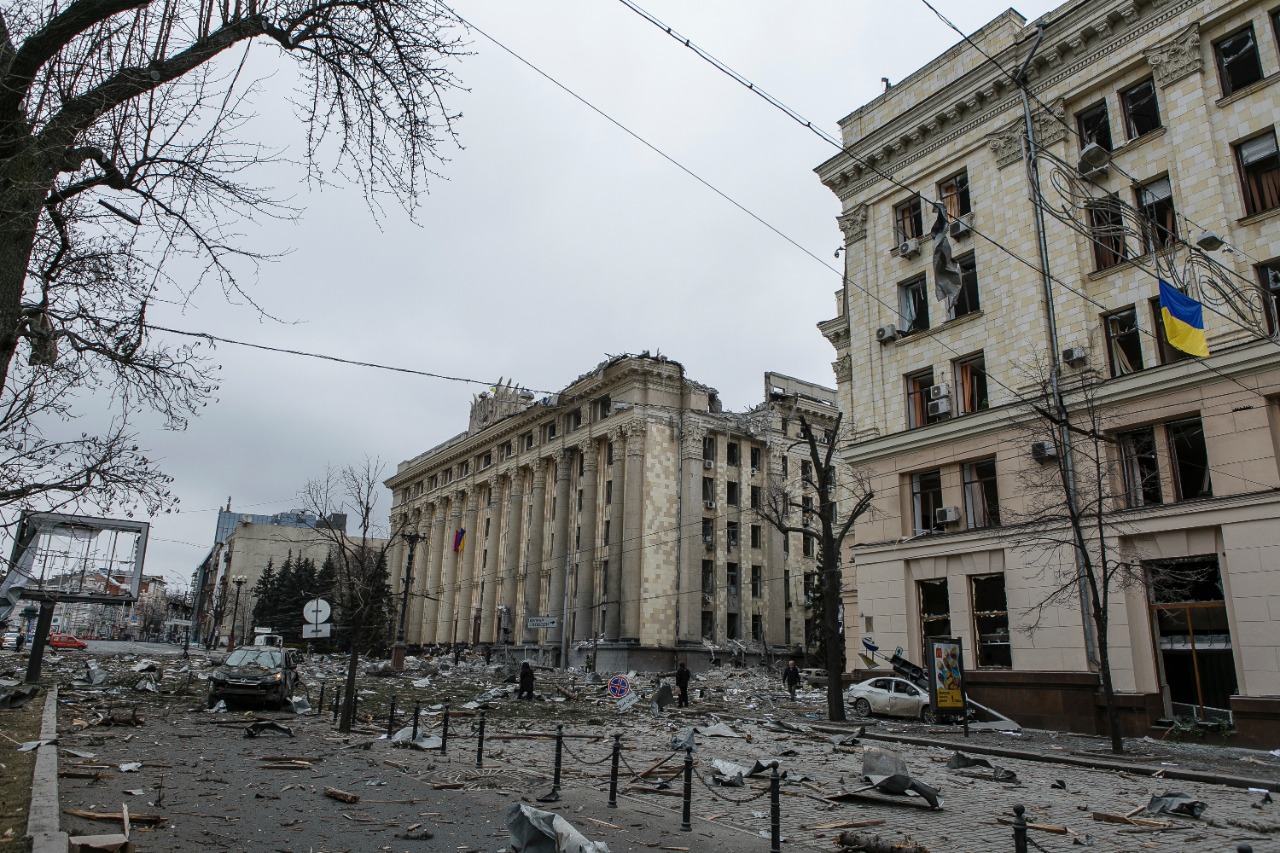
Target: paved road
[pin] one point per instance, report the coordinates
(129, 647)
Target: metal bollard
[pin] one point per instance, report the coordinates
(1244, 848)
(613, 774)
(391, 717)
(555, 786)
(480, 743)
(444, 730)
(1019, 829)
(775, 812)
(417, 709)
(686, 825)
(337, 704)
(320, 704)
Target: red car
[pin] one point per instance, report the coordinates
(66, 641)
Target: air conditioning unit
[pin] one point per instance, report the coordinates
(1042, 451)
(961, 228)
(709, 541)
(909, 248)
(885, 334)
(711, 504)
(947, 515)
(939, 392)
(1074, 356)
(708, 463)
(940, 408)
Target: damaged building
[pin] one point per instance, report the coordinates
(1081, 163)
(618, 519)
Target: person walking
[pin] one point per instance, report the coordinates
(791, 678)
(682, 683)
(526, 682)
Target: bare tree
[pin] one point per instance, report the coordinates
(124, 149)
(813, 502)
(360, 558)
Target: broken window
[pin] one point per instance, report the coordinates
(731, 456)
(807, 587)
(784, 468)
(1193, 635)
(971, 383)
(731, 579)
(786, 590)
(575, 419)
(708, 532)
(604, 407)
(913, 306)
(731, 626)
(981, 498)
(1189, 459)
(757, 628)
(708, 580)
(1107, 232)
(608, 492)
(926, 500)
(935, 610)
(709, 448)
(708, 625)
(709, 490)
(918, 385)
(907, 220)
(1141, 109)
(528, 440)
(755, 497)
(954, 194)
(1168, 354)
(608, 453)
(1269, 281)
(1259, 166)
(757, 581)
(548, 431)
(1124, 345)
(991, 621)
(755, 459)
(757, 536)
(606, 531)
(1140, 467)
(731, 533)
(806, 472)
(1239, 64)
(966, 301)
(1094, 125)
(486, 460)
(731, 493)
(1159, 219)
(806, 546)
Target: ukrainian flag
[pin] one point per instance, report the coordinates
(1183, 321)
(459, 539)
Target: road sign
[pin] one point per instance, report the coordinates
(315, 632)
(627, 701)
(316, 611)
(533, 622)
(619, 686)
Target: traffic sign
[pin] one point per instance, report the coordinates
(533, 622)
(316, 611)
(315, 632)
(619, 686)
(627, 701)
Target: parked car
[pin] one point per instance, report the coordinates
(9, 640)
(895, 697)
(265, 674)
(67, 641)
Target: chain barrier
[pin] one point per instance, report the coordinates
(636, 773)
(580, 759)
(715, 790)
(1033, 843)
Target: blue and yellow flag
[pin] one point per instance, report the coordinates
(1183, 321)
(459, 539)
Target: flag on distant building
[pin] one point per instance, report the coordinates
(459, 540)
(1183, 321)
(946, 272)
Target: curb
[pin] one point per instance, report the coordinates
(42, 817)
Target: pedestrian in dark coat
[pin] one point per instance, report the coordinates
(791, 678)
(526, 681)
(682, 683)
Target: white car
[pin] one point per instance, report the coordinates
(894, 697)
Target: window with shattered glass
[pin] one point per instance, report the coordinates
(1141, 109)
(1094, 125)
(1239, 64)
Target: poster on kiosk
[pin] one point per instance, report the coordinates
(946, 676)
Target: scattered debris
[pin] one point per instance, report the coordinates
(16, 697)
(876, 844)
(341, 796)
(1176, 803)
(262, 726)
(535, 831)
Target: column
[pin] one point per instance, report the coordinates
(435, 557)
(413, 613)
(585, 619)
(632, 534)
(613, 582)
(511, 550)
(468, 563)
(775, 591)
(490, 562)
(692, 548)
(561, 546)
(533, 555)
(449, 572)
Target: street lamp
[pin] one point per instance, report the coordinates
(397, 651)
(239, 581)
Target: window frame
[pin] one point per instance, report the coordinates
(981, 511)
(1225, 81)
(967, 301)
(926, 499)
(1140, 468)
(1094, 132)
(1158, 215)
(1108, 237)
(908, 220)
(953, 194)
(971, 383)
(913, 303)
(1114, 345)
(1259, 179)
(1269, 283)
(1178, 470)
(1126, 109)
(918, 384)
(991, 635)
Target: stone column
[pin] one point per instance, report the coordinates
(413, 613)
(468, 563)
(449, 572)
(490, 561)
(533, 554)
(613, 581)
(692, 549)
(431, 571)
(775, 591)
(511, 550)
(561, 545)
(633, 534)
(585, 620)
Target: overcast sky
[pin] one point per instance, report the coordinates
(553, 239)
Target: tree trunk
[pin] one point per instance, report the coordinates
(831, 631)
(353, 665)
(1108, 688)
(20, 203)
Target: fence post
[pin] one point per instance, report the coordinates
(444, 731)
(320, 704)
(480, 743)
(1019, 829)
(686, 825)
(775, 812)
(1244, 848)
(417, 709)
(554, 795)
(336, 704)
(391, 718)
(613, 774)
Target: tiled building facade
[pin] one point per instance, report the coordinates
(1154, 124)
(625, 507)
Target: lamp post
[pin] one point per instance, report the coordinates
(239, 581)
(397, 650)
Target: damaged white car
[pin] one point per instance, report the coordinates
(894, 697)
